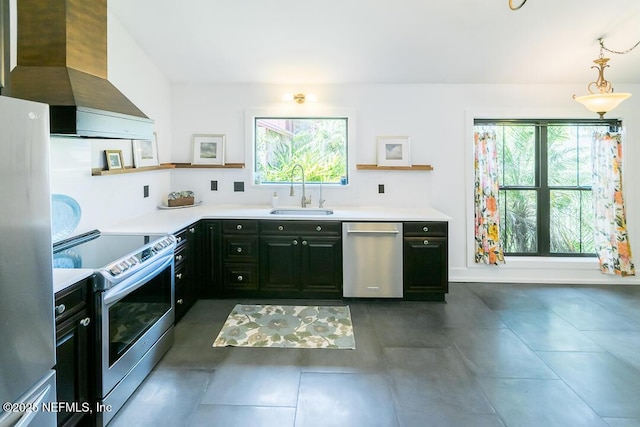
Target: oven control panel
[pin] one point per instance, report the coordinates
(143, 255)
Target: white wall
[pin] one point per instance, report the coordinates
(438, 118)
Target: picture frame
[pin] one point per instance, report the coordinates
(145, 152)
(394, 151)
(208, 149)
(114, 159)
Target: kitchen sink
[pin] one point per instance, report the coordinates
(301, 211)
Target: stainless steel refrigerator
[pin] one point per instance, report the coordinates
(27, 329)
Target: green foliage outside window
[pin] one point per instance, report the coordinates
(319, 145)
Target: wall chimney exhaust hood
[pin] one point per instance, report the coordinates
(62, 61)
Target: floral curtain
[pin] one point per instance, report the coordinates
(487, 215)
(611, 238)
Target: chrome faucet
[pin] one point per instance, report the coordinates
(304, 202)
(320, 199)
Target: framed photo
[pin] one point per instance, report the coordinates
(394, 151)
(208, 150)
(114, 159)
(145, 152)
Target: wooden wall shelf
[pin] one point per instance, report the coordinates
(130, 169)
(225, 166)
(395, 168)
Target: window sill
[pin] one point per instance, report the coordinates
(550, 262)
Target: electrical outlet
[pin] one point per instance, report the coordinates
(145, 191)
(380, 188)
(238, 186)
(214, 185)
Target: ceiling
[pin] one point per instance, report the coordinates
(375, 41)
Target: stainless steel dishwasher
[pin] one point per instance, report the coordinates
(372, 259)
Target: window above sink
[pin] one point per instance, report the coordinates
(319, 142)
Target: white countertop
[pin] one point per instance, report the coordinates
(172, 220)
(65, 277)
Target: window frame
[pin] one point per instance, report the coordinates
(298, 113)
(541, 181)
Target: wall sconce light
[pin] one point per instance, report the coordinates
(601, 98)
(299, 98)
(512, 7)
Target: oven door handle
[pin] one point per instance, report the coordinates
(132, 283)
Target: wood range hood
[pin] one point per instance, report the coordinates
(62, 61)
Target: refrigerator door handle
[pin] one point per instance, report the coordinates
(26, 418)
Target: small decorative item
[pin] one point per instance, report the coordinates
(114, 159)
(145, 152)
(180, 198)
(208, 150)
(394, 151)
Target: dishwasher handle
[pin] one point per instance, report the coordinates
(373, 232)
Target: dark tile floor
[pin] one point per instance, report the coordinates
(493, 355)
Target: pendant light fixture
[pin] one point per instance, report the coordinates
(602, 98)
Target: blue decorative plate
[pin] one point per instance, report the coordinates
(65, 216)
(67, 259)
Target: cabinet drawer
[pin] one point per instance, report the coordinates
(71, 301)
(243, 226)
(183, 236)
(240, 276)
(240, 248)
(181, 255)
(181, 275)
(430, 228)
(326, 228)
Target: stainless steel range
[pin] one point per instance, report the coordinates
(134, 308)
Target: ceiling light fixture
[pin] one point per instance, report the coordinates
(299, 98)
(601, 98)
(516, 7)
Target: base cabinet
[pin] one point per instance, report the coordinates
(425, 257)
(185, 292)
(208, 271)
(74, 370)
(239, 257)
(301, 259)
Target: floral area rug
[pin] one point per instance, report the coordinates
(287, 326)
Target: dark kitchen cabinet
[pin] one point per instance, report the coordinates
(425, 259)
(208, 261)
(74, 367)
(300, 259)
(239, 252)
(185, 292)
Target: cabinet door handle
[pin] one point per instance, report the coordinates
(239, 227)
(192, 230)
(426, 242)
(240, 278)
(85, 322)
(239, 249)
(425, 228)
(180, 301)
(295, 242)
(178, 239)
(60, 308)
(304, 242)
(318, 228)
(178, 257)
(280, 227)
(179, 276)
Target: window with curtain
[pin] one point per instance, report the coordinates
(545, 174)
